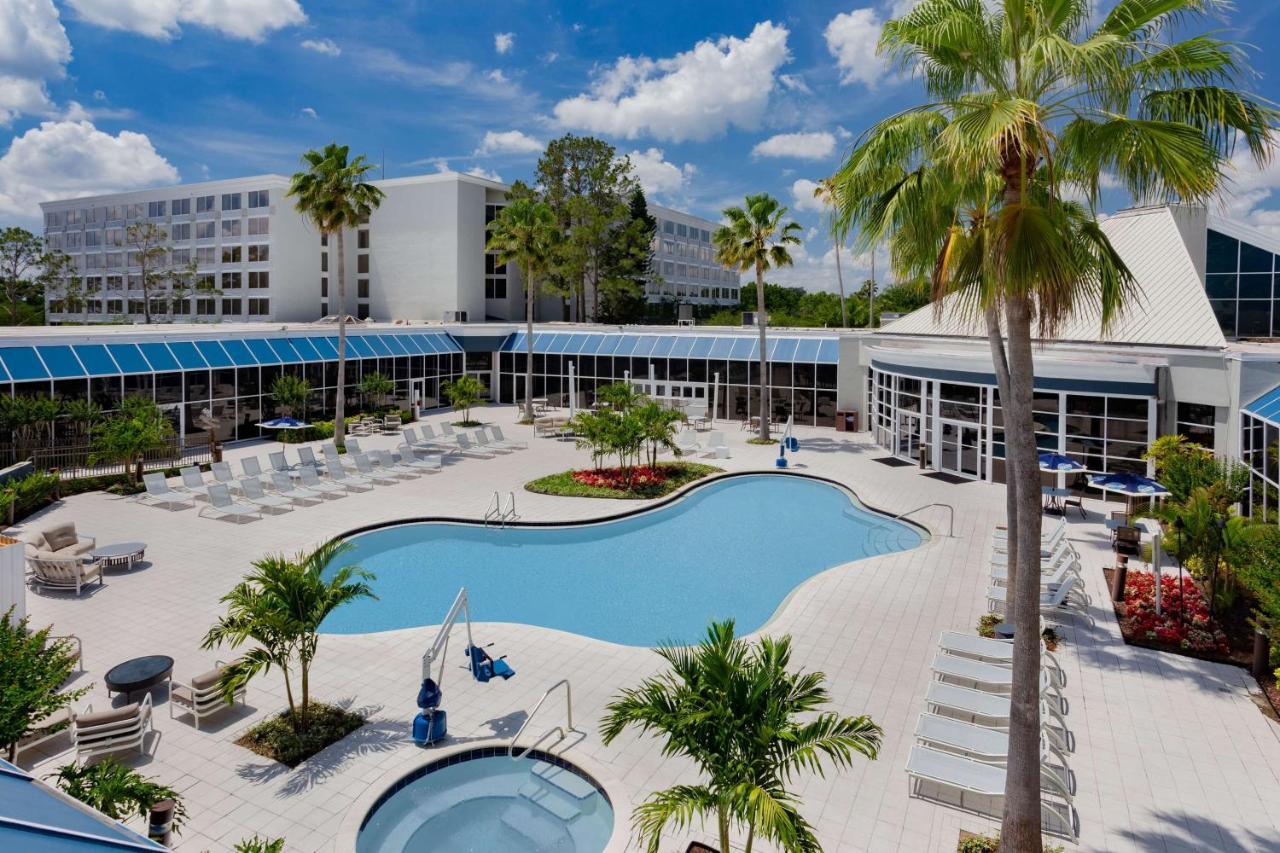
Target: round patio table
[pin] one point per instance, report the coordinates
(138, 674)
(120, 554)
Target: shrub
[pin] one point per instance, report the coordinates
(987, 624)
(259, 845)
(290, 393)
(318, 431)
(30, 493)
(377, 387)
(283, 738)
(117, 791)
(139, 427)
(32, 672)
(464, 392)
(1184, 622)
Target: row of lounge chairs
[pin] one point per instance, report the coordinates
(1061, 585)
(487, 441)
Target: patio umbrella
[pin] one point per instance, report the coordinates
(1129, 485)
(1056, 462)
(283, 424)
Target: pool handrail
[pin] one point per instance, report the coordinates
(564, 733)
(951, 517)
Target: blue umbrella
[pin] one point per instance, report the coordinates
(1058, 462)
(1130, 485)
(283, 424)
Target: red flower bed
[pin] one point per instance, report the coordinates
(1193, 630)
(615, 478)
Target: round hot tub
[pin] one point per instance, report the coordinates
(482, 801)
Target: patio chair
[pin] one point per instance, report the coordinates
(353, 446)
(1063, 551)
(251, 489)
(279, 462)
(307, 459)
(993, 708)
(717, 447)
(1127, 541)
(330, 452)
(1069, 595)
(987, 675)
(202, 696)
(1049, 541)
(364, 468)
(47, 729)
(391, 423)
(466, 448)
(312, 482)
(980, 743)
(64, 573)
(193, 482)
(496, 432)
(386, 462)
(1049, 579)
(432, 463)
(687, 443)
(481, 438)
(286, 488)
(994, 651)
(340, 477)
(59, 540)
(222, 506)
(252, 468)
(102, 732)
(222, 474)
(158, 493)
(446, 429)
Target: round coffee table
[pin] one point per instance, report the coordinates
(119, 554)
(138, 674)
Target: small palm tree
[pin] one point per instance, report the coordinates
(464, 392)
(377, 387)
(279, 606)
(524, 233)
(751, 724)
(756, 239)
(333, 193)
(658, 424)
(290, 393)
(825, 193)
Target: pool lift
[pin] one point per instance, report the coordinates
(431, 723)
(788, 442)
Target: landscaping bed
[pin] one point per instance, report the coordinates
(276, 739)
(645, 481)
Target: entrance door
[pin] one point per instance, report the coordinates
(908, 436)
(960, 453)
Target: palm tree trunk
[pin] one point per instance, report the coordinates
(844, 310)
(871, 292)
(764, 354)
(1021, 825)
(529, 296)
(751, 836)
(340, 398)
(1000, 361)
(723, 820)
(305, 681)
(288, 690)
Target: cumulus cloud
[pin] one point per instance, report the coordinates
(21, 96)
(693, 95)
(507, 142)
(851, 39)
(33, 49)
(503, 42)
(326, 46)
(806, 146)
(550, 56)
(163, 19)
(479, 172)
(61, 159)
(802, 197)
(1249, 194)
(656, 175)
(794, 83)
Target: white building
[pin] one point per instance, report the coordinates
(685, 268)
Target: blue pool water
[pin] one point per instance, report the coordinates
(734, 547)
(484, 805)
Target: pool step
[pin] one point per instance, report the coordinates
(569, 782)
(533, 825)
(549, 799)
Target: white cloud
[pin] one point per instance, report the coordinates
(507, 142)
(1248, 195)
(656, 175)
(309, 112)
(326, 46)
(21, 96)
(480, 172)
(794, 83)
(806, 146)
(550, 56)
(802, 197)
(61, 159)
(851, 39)
(503, 42)
(693, 95)
(163, 19)
(99, 95)
(33, 49)
(497, 76)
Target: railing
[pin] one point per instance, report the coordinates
(951, 516)
(72, 461)
(497, 514)
(564, 733)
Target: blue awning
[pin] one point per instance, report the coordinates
(96, 359)
(1266, 407)
(701, 347)
(327, 348)
(411, 344)
(609, 345)
(285, 350)
(375, 343)
(784, 349)
(129, 357)
(187, 355)
(305, 349)
(392, 342)
(23, 364)
(447, 343)
(62, 362)
(214, 354)
(745, 349)
(358, 348)
(722, 347)
(626, 344)
(681, 347)
(35, 818)
(239, 352)
(159, 357)
(262, 351)
(807, 349)
(829, 351)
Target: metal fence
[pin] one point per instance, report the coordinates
(73, 461)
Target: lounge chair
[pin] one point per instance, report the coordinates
(687, 443)
(386, 462)
(428, 442)
(193, 482)
(481, 438)
(331, 454)
(1049, 580)
(1063, 551)
(446, 429)
(307, 459)
(158, 493)
(717, 447)
(279, 462)
(445, 443)
(466, 448)
(222, 506)
(286, 488)
(252, 468)
(1068, 595)
(515, 444)
(353, 446)
(364, 468)
(59, 540)
(391, 423)
(1049, 540)
(312, 482)
(47, 729)
(991, 676)
(202, 696)
(432, 464)
(993, 709)
(251, 489)
(222, 474)
(990, 746)
(63, 572)
(102, 732)
(339, 476)
(994, 651)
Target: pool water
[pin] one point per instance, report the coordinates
(484, 805)
(733, 548)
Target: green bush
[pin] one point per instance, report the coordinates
(987, 624)
(259, 845)
(116, 790)
(280, 739)
(318, 431)
(30, 493)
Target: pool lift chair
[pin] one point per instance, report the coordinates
(431, 723)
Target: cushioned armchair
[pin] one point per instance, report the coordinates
(58, 541)
(202, 695)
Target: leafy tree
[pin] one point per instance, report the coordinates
(29, 420)
(658, 426)
(750, 724)
(334, 193)
(63, 282)
(377, 387)
(628, 265)
(116, 790)
(291, 392)
(524, 234)
(148, 249)
(1028, 100)
(824, 192)
(22, 255)
(464, 392)
(756, 239)
(279, 606)
(81, 415)
(139, 428)
(33, 668)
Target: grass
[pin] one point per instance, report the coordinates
(763, 441)
(276, 739)
(678, 474)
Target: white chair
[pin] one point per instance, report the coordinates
(1069, 595)
(514, 444)
(993, 709)
(432, 463)
(446, 429)
(386, 462)
(466, 448)
(307, 459)
(193, 482)
(251, 489)
(431, 445)
(286, 488)
(222, 474)
(202, 696)
(1061, 552)
(158, 493)
(1049, 540)
(1049, 580)
(990, 650)
(717, 447)
(222, 506)
(988, 675)
(364, 468)
(50, 727)
(687, 443)
(64, 572)
(103, 732)
(312, 482)
(279, 462)
(339, 476)
(252, 469)
(482, 440)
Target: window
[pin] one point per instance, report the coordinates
(491, 212)
(259, 307)
(231, 281)
(93, 283)
(259, 253)
(206, 281)
(324, 262)
(668, 227)
(205, 256)
(324, 238)
(362, 288)
(155, 209)
(137, 306)
(134, 211)
(113, 259)
(260, 225)
(204, 231)
(259, 279)
(362, 238)
(362, 311)
(492, 267)
(182, 306)
(204, 204)
(495, 288)
(324, 309)
(114, 236)
(181, 207)
(682, 230)
(115, 306)
(259, 198)
(231, 307)
(230, 254)
(206, 306)
(324, 286)
(180, 257)
(706, 236)
(182, 231)
(230, 228)
(231, 201)
(362, 263)
(115, 282)
(1195, 421)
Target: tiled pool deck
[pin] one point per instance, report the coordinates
(1171, 753)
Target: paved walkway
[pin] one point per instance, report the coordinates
(1171, 753)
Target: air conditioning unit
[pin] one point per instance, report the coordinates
(751, 318)
(455, 316)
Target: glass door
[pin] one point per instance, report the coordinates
(960, 453)
(908, 435)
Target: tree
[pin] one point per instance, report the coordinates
(62, 282)
(279, 606)
(333, 193)
(290, 392)
(750, 724)
(148, 249)
(377, 387)
(1029, 100)
(81, 415)
(824, 193)
(33, 668)
(756, 239)
(524, 234)
(628, 265)
(464, 392)
(139, 428)
(116, 790)
(658, 426)
(21, 256)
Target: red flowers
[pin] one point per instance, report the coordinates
(616, 478)
(1185, 622)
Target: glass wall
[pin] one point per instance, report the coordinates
(1239, 281)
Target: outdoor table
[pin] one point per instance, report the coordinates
(119, 554)
(1053, 498)
(138, 674)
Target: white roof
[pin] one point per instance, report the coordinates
(1172, 309)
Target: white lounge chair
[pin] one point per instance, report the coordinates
(432, 463)
(286, 488)
(687, 443)
(193, 482)
(1049, 540)
(158, 493)
(222, 474)
(1049, 580)
(279, 462)
(990, 746)
(222, 506)
(995, 651)
(386, 462)
(992, 709)
(515, 444)
(307, 459)
(481, 438)
(717, 447)
(97, 733)
(988, 675)
(251, 489)
(339, 476)
(202, 696)
(364, 468)
(63, 572)
(1069, 595)
(252, 468)
(50, 727)
(312, 482)
(466, 448)
(446, 429)
(427, 444)
(1062, 552)
(353, 447)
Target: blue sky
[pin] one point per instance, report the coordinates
(711, 99)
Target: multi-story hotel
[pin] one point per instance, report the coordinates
(420, 257)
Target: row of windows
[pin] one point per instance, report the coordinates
(258, 226)
(204, 307)
(155, 209)
(1241, 283)
(679, 229)
(671, 268)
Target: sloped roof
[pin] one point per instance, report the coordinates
(35, 818)
(1172, 309)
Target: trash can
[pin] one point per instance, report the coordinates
(846, 421)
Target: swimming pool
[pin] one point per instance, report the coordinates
(734, 547)
(482, 801)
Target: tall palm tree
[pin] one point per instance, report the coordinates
(1029, 99)
(750, 723)
(756, 239)
(524, 233)
(279, 606)
(332, 192)
(825, 193)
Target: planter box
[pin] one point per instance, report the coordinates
(13, 577)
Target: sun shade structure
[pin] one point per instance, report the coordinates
(1057, 462)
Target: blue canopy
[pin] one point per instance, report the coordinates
(1058, 462)
(284, 423)
(1133, 485)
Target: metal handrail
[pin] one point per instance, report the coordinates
(510, 514)
(494, 511)
(951, 516)
(564, 733)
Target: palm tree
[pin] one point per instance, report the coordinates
(333, 193)
(524, 233)
(757, 239)
(279, 606)
(1029, 100)
(750, 724)
(824, 192)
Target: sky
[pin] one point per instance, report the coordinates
(711, 100)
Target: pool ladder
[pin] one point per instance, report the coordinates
(564, 732)
(951, 516)
(497, 514)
